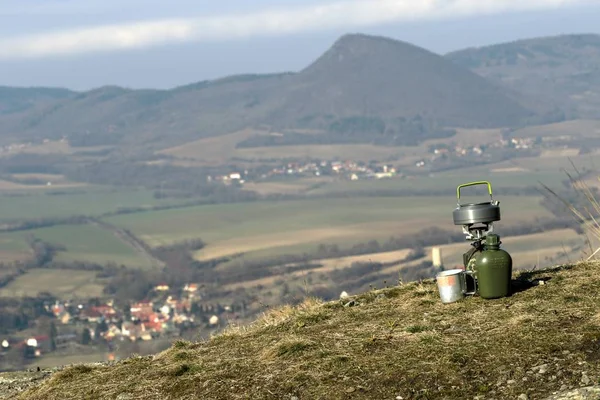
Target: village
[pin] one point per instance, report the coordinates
(359, 170)
(168, 313)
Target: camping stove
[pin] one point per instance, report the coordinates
(488, 268)
(477, 221)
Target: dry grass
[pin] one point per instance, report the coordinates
(271, 241)
(395, 342)
(588, 213)
(386, 257)
(277, 243)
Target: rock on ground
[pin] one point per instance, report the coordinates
(587, 393)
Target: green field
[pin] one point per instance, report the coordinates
(13, 248)
(90, 203)
(83, 242)
(90, 243)
(58, 282)
(235, 228)
(444, 180)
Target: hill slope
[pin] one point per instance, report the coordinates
(383, 344)
(14, 100)
(368, 75)
(561, 71)
(359, 76)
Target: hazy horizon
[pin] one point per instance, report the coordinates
(149, 45)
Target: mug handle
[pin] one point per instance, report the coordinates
(464, 279)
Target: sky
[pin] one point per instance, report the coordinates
(83, 44)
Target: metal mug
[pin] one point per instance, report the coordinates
(452, 285)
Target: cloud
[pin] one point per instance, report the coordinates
(277, 21)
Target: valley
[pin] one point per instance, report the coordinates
(218, 200)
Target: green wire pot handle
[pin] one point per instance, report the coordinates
(464, 185)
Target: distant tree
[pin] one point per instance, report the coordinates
(101, 327)
(127, 311)
(53, 333)
(86, 337)
(28, 352)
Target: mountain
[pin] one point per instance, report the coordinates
(399, 342)
(560, 71)
(359, 77)
(368, 75)
(14, 100)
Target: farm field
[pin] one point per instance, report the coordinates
(444, 180)
(356, 152)
(83, 243)
(524, 249)
(61, 283)
(526, 252)
(15, 186)
(39, 182)
(51, 147)
(92, 244)
(578, 127)
(213, 150)
(236, 228)
(223, 148)
(13, 248)
(258, 249)
(90, 202)
(287, 187)
(504, 179)
(548, 163)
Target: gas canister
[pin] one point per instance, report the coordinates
(493, 269)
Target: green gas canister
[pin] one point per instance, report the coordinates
(493, 267)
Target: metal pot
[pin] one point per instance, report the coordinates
(480, 213)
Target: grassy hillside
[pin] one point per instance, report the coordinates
(359, 77)
(561, 71)
(394, 343)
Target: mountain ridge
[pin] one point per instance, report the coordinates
(379, 78)
(373, 79)
(560, 72)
